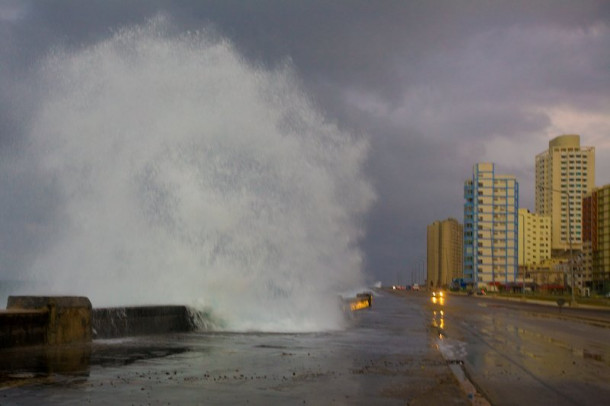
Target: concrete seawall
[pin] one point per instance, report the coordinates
(141, 320)
(49, 320)
(44, 335)
(23, 327)
(54, 334)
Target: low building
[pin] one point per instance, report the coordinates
(550, 274)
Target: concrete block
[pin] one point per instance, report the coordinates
(68, 317)
(23, 327)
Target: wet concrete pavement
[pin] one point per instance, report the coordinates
(388, 356)
(519, 353)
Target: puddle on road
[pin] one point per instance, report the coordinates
(503, 351)
(454, 351)
(438, 319)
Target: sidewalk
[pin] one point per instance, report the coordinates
(598, 315)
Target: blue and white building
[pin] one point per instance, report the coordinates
(491, 226)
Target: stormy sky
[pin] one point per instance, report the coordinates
(434, 86)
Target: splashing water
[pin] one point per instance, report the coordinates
(188, 176)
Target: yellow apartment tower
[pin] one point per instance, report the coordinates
(444, 252)
(565, 173)
(534, 238)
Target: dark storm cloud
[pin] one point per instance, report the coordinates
(434, 85)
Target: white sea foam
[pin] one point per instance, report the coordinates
(188, 176)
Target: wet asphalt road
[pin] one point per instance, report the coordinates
(388, 356)
(528, 354)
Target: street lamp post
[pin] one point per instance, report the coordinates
(571, 260)
(421, 271)
(571, 264)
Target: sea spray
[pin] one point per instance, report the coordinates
(188, 176)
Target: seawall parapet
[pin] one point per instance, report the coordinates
(49, 320)
(141, 320)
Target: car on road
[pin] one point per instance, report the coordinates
(438, 297)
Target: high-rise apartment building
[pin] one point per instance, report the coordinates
(594, 266)
(534, 238)
(565, 173)
(444, 252)
(490, 227)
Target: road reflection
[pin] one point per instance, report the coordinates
(438, 314)
(518, 353)
(438, 319)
